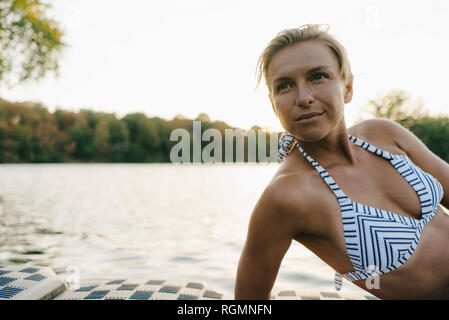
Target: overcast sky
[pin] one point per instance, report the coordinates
(189, 56)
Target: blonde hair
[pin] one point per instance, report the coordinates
(289, 37)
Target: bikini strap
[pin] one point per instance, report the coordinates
(341, 196)
(286, 144)
(338, 281)
(370, 147)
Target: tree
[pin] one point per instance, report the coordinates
(434, 133)
(101, 139)
(118, 140)
(397, 106)
(83, 136)
(30, 42)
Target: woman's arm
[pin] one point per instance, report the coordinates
(422, 156)
(270, 232)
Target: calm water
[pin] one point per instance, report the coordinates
(158, 221)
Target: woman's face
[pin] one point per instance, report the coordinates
(307, 91)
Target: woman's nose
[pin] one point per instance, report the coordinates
(304, 96)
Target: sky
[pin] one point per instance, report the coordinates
(171, 57)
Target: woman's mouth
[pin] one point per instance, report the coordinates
(310, 117)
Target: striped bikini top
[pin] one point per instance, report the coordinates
(377, 241)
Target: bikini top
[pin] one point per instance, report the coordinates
(377, 241)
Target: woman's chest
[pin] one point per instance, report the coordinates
(381, 184)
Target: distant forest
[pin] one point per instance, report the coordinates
(29, 133)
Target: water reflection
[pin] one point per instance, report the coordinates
(23, 238)
(140, 221)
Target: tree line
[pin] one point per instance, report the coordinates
(29, 133)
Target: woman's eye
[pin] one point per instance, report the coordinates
(283, 86)
(319, 76)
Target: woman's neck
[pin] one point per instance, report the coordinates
(333, 150)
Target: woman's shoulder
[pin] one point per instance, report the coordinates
(373, 127)
(297, 201)
(382, 133)
(292, 193)
(295, 175)
(286, 188)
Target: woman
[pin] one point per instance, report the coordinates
(366, 200)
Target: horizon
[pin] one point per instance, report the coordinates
(198, 117)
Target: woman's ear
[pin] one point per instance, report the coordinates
(348, 92)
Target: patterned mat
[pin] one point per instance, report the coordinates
(25, 282)
(133, 289)
(29, 283)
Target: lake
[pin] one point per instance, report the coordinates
(153, 221)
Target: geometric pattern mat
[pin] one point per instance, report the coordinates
(26, 282)
(21, 282)
(132, 289)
